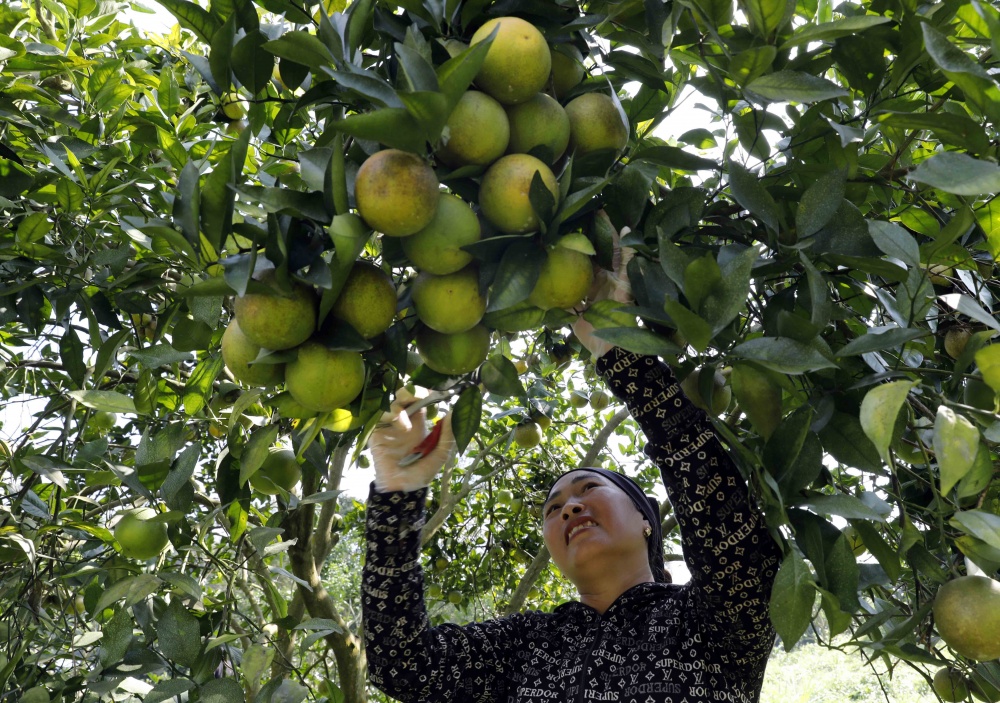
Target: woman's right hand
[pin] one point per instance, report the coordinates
(608, 285)
(398, 436)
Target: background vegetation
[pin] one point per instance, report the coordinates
(821, 235)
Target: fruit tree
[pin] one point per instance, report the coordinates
(224, 246)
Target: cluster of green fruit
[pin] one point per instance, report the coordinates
(967, 616)
(398, 195)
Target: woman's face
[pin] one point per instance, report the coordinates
(590, 524)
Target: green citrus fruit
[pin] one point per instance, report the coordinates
(950, 685)
(599, 400)
(454, 354)
(477, 131)
(854, 541)
(955, 340)
(527, 435)
(396, 192)
(280, 470)
(567, 69)
(595, 124)
(238, 352)
(565, 278)
(518, 62)
(504, 192)
(280, 320)
(450, 303)
(342, 420)
(437, 248)
(234, 106)
(578, 400)
(540, 419)
(322, 379)
(440, 564)
(138, 537)
(367, 302)
(435, 591)
(455, 598)
(103, 420)
(539, 124)
(967, 615)
(722, 394)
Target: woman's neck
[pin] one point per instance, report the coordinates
(600, 591)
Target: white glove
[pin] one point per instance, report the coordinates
(608, 285)
(399, 436)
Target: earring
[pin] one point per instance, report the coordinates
(648, 531)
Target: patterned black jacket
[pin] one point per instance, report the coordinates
(704, 641)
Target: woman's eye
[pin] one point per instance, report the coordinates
(551, 508)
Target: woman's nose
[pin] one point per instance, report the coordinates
(571, 509)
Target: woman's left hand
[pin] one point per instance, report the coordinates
(608, 285)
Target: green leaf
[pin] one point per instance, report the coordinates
(750, 64)
(287, 202)
(638, 341)
(191, 16)
(116, 637)
(109, 401)
(895, 241)
(301, 47)
(466, 416)
(516, 318)
(167, 690)
(759, 396)
(845, 440)
(394, 127)
(960, 174)
(847, 507)
(988, 361)
(416, 71)
(456, 75)
(33, 228)
(879, 410)
(701, 277)
(516, 275)
(695, 330)
(793, 86)
(767, 16)
(783, 354)
(820, 202)
(876, 341)
(71, 353)
(725, 301)
(979, 524)
(608, 313)
(199, 383)
(956, 441)
(676, 158)
(541, 198)
(255, 451)
(429, 109)
(842, 574)
(956, 130)
(792, 598)
(969, 307)
(223, 691)
(846, 27)
(751, 194)
(178, 634)
(499, 375)
(253, 65)
(988, 217)
(69, 196)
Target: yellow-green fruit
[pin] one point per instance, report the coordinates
(322, 379)
(567, 69)
(396, 192)
(138, 537)
(450, 303)
(578, 400)
(280, 471)
(454, 354)
(759, 397)
(955, 340)
(565, 278)
(527, 435)
(599, 400)
(539, 124)
(440, 564)
(367, 302)
(595, 124)
(103, 420)
(967, 616)
(434, 591)
(342, 420)
(237, 353)
(279, 320)
(518, 62)
(721, 393)
(477, 131)
(234, 107)
(504, 192)
(437, 248)
(950, 685)
(541, 419)
(455, 598)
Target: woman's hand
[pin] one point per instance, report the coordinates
(608, 285)
(399, 436)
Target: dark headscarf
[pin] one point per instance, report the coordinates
(647, 505)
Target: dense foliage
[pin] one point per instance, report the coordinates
(828, 238)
